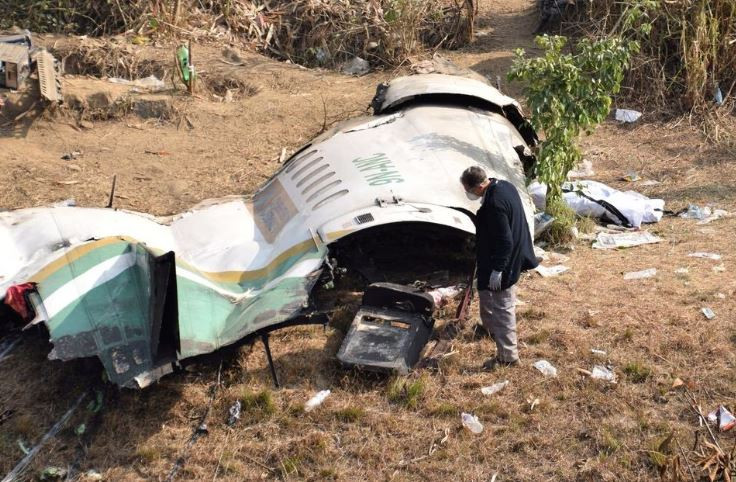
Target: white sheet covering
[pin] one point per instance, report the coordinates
(636, 207)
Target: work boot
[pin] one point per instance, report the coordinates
(493, 363)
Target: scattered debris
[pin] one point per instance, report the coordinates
(584, 169)
(316, 400)
(442, 296)
(70, 156)
(533, 402)
(650, 182)
(234, 413)
(695, 212)
(471, 422)
(708, 313)
(624, 240)
(146, 84)
(18, 469)
(15, 65)
(627, 116)
(595, 199)
(600, 372)
(721, 268)
(647, 273)
(595, 351)
(542, 221)
(551, 271)
(48, 78)
(723, 418)
(720, 296)
(682, 271)
(677, 383)
(356, 66)
(702, 255)
(546, 368)
(495, 388)
(631, 176)
(53, 473)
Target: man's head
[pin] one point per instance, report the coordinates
(474, 181)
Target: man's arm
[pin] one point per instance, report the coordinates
(501, 241)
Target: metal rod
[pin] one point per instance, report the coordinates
(16, 472)
(264, 339)
(112, 190)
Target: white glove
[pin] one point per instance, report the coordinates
(494, 282)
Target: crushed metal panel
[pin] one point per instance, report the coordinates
(404, 89)
(47, 79)
(15, 64)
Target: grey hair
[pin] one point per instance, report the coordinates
(473, 176)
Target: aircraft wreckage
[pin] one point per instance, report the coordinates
(143, 293)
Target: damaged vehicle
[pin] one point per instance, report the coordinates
(144, 293)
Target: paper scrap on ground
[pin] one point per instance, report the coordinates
(602, 373)
(708, 313)
(595, 351)
(471, 422)
(546, 368)
(723, 418)
(713, 256)
(495, 388)
(647, 273)
(316, 400)
(624, 240)
(584, 169)
(550, 271)
(627, 115)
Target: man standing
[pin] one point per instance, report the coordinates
(504, 249)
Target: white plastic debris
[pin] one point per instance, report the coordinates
(627, 115)
(316, 400)
(716, 214)
(624, 240)
(546, 368)
(721, 268)
(495, 388)
(708, 313)
(600, 372)
(696, 212)
(355, 66)
(442, 295)
(584, 169)
(649, 182)
(713, 256)
(682, 271)
(723, 418)
(647, 273)
(472, 423)
(550, 271)
(149, 84)
(542, 221)
(595, 351)
(720, 296)
(234, 413)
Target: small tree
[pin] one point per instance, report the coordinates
(568, 93)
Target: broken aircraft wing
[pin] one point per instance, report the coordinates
(142, 294)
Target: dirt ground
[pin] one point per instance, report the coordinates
(564, 428)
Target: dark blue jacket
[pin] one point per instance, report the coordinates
(503, 242)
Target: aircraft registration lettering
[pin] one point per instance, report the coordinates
(378, 170)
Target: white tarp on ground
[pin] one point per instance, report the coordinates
(591, 198)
